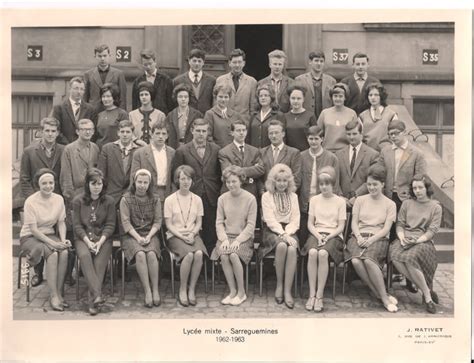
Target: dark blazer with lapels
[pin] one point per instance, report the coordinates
(163, 88)
(327, 82)
(67, 122)
(356, 98)
(288, 155)
(33, 159)
(93, 84)
(251, 163)
(282, 96)
(207, 180)
(143, 159)
(206, 86)
(172, 125)
(110, 162)
(354, 184)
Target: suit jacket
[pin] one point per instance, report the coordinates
(110, 162)
(282, 97)
(251, 163)
(163, 87)
(143, 159)
(244, 100)
(354, 184)
(207, 180)
(173, 126)
(327, 158)
(412, 163)
(356, 99)
(33, 159)
(67, 123)
(93, 84)
(288, 155)
(306, 79)
(204, 101)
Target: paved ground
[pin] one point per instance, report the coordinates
(356, 301)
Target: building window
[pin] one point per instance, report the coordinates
(209, 38)
(27, 112)
(435, 117)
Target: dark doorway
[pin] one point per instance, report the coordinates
(257, 41)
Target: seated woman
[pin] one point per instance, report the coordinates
(298, 119)
(267, 110)
(140, 212)
(235, 225)
(376, 118)
(183, 213)
(281, 214)
(326, 217)
(220, 117)
(179, 121)
(334, 119)
(413, 253)
(108, 120)
(94, 223)
(372, 218)
(144, 117)
(44, 212)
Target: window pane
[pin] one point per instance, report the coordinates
(448, 113)
(209, 38)
(425, 113)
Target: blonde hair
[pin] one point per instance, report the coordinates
(275, 172)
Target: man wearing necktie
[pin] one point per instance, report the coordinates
(358, 82)
(71, 110)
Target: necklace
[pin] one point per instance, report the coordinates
(181, 210)
(282, 203)
(93, 210)
(140, 210)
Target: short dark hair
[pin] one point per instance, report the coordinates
(126, 123)
(100, 48)
(316, 54)
(314, 131)
(186, 170)
(147, 54)
(93, 175)
(353, 124)
(114, 91)
(377, 172)
(199, 122)
(426, 181)
(41, 172)
(197, 53)
(147, 86)
(238, 122)
(382, 92)
(76, 79)
(296, 87)
(50, 121)
(160, 124)
(337, 89)
(360, 55)
(276, 123)
(182, 87)
(234, 170)
(237, 53)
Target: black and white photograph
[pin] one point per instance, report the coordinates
(270, 173)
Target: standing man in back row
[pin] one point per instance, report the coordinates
(317, 84)
(358, 82)
(243, 86)
(95, 78)
(202, 83)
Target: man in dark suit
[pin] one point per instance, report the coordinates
(72, 110)
(115, 161)
(317, 84)
(354, 162)
(358, 83)
(162, 84)
(244, 155)
(104, 73)
(157, 158)
(202, 83)
(202, 156)
(277, 80)
(43, 154)
(278, 152)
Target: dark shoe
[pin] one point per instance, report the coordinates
(148, 305)
(290, 304)
(56, 307)
(157, 302)
(36, 280)
(65, 304)
(397, 278)
(98, 301)
(430, 307)
(434, 297)
(93, 311)
(410, 287)
(279, 300)
(182, 303)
